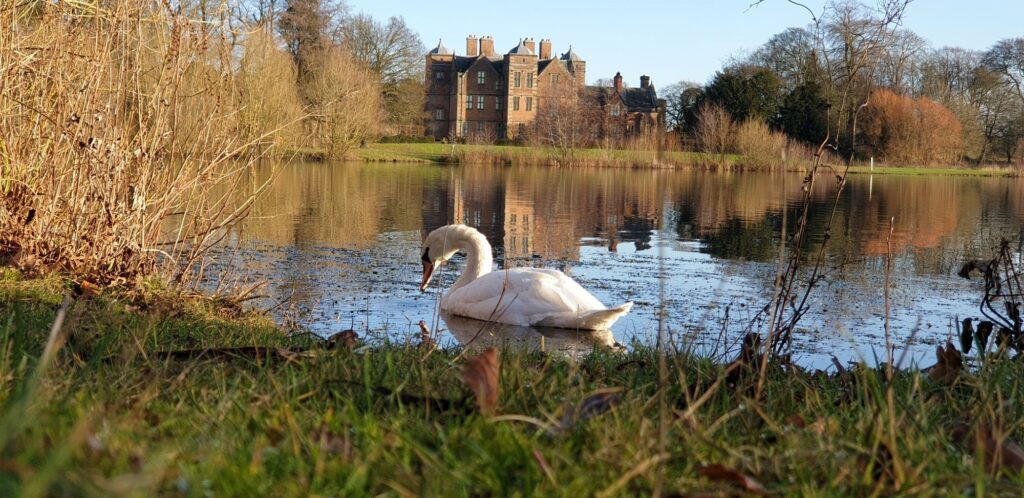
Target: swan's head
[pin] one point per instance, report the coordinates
(439, 247)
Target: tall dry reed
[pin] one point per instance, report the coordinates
(760, 147)
(117, 122)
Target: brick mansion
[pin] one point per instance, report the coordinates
(489, 96)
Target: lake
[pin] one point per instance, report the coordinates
(339, 245)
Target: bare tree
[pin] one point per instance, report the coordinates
(900, 61)
(947, 73)
(344, 101)
(790, 54)
(394, 52)
(305, 26)
(566, 120)
(714, 129)
(1007, 58)
(680, 99)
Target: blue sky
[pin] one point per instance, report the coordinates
(672, 40)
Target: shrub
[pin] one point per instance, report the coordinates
(714, 129)
(760, 146)
(345, 101)
(904, 130)
(269, 105)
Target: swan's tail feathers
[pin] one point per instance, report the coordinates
(603, 319)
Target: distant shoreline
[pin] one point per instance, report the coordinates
(439, 153)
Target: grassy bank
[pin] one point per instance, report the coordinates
(507, 154)
(503, 154)
(115, 416)
(926, 171)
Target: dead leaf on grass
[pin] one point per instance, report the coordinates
(89, 288)
(480, 374)
(998, 452)
(949, 365)
(718, 472)
(595, 403)
(347, 339)
(966, 335)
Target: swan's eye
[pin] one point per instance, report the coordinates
(426, 255)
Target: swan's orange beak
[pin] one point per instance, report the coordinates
(428, 271)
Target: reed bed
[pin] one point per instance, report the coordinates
(118, 123)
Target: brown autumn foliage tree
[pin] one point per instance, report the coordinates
(903, 130)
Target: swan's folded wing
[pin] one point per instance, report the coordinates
(526, 296)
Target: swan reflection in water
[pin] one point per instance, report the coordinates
(478, 335)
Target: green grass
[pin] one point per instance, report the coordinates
(507, 154)
(111, 417)
(927, 171)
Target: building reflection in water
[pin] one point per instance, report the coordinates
(343, 239)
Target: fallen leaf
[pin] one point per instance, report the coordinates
(89, 288)
(966, 336)
(998, 453)
(594, 403)
(796, 421)
(984, 331)
(949, 365)
(480, 374)
(347, 339)
(747, 361)
(718, 472)
(1005, 338)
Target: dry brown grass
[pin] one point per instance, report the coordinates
(759, 145)
(118, 124)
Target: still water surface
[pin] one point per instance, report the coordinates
(339, 244)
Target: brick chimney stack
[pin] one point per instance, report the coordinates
(487, 46)
(471, 46)
(545, 49)
(645, 81)
(618, 82)
(530, 45)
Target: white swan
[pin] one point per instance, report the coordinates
(518, 296)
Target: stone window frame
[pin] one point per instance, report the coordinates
(480, 102)
(529, 103)
(529, 80)
(481, 77)
(469, 101)
(497, 103)
(515, 103)
(517, 79)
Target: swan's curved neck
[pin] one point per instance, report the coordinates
(478, 257)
